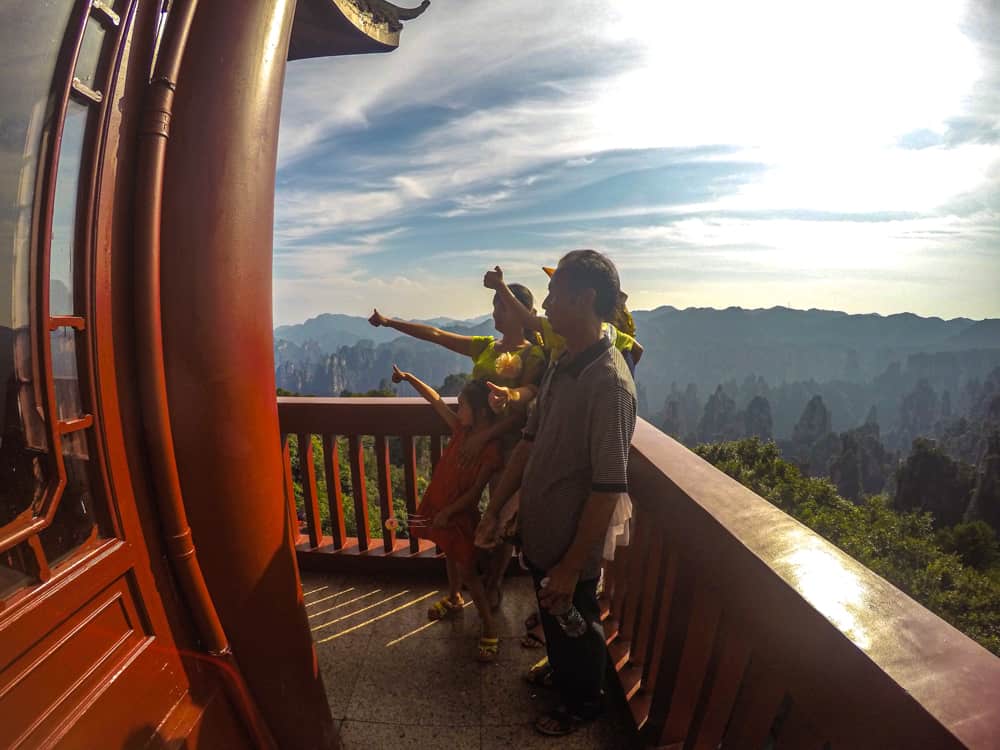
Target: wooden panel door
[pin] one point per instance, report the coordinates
(90, 629)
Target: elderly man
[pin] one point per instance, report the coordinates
(571, 469)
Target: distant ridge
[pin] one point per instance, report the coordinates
(856, 360)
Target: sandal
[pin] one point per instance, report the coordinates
(445, 607)
(541, 675)
(489, 649)
(530, 640)
(559, 722)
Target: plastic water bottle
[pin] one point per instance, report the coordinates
(569, 619)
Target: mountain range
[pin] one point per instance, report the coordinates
(860, 360)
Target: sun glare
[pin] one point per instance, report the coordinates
(789, 76)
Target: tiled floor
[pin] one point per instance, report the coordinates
(395, 680)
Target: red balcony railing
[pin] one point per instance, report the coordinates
(728, 622)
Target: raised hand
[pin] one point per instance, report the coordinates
(398, 376)
(487, 532)
(499, 397)
(493, 279)
(378, 319)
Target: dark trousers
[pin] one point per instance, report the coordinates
(579, 664)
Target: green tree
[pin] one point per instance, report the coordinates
(974, 542)
(902, 547)
(454, 383)
(931, 480)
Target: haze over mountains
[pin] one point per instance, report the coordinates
(855, 362)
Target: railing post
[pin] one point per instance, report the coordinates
(725, 674)
(359, 490)
(334, 495)
(293, 515)
(384, 492)
(410, 470)
(310, 496)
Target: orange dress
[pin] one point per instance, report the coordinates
(449, 482)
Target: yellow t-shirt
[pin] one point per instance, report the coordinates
(526, 367)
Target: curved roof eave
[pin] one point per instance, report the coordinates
(325, 28)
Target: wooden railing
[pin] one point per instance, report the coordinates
(378, 419)
(728, 622)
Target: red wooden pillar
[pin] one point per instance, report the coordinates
(216, 236)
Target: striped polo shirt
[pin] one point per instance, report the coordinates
(580, 430)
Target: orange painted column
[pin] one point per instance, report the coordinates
(216, 235)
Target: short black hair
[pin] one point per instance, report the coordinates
(589, 269)
(523, 295)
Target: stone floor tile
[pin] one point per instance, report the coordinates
(340, 663)
(598, 735)
(425, 682)
(360, 735)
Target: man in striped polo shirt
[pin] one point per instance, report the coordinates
(571, 467)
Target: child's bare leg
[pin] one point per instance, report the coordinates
(478, 592)
(454, 580)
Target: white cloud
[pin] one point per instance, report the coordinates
(818, 94)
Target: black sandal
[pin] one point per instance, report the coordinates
(564, 722)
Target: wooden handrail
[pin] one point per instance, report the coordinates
(727, 620)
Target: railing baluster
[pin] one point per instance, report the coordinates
(756, 706)
(334, 495)
(650, 608)
(697, 653)
(725, 675)
(652, 668)
(435, 457)
(619, 577)
(359, 490)
(410, 470)
(310, 497)
(636, 568)
(797, 732)
(293, 516)
(384, 492)
(637, 605)
(671, 651)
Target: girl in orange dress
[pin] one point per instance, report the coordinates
(449, 511)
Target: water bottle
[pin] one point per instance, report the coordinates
(569, 619)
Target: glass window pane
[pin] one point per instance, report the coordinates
(64, 373)
(16, 570)
(31, 36)
(90, 53)
(64, 211)
(79, 515)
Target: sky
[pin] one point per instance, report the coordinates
(813, 155)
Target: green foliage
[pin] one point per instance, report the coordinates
(454, 383)
(975, 543)
(953, 572)
(931, 480)
(384, 390)
(397, 480)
